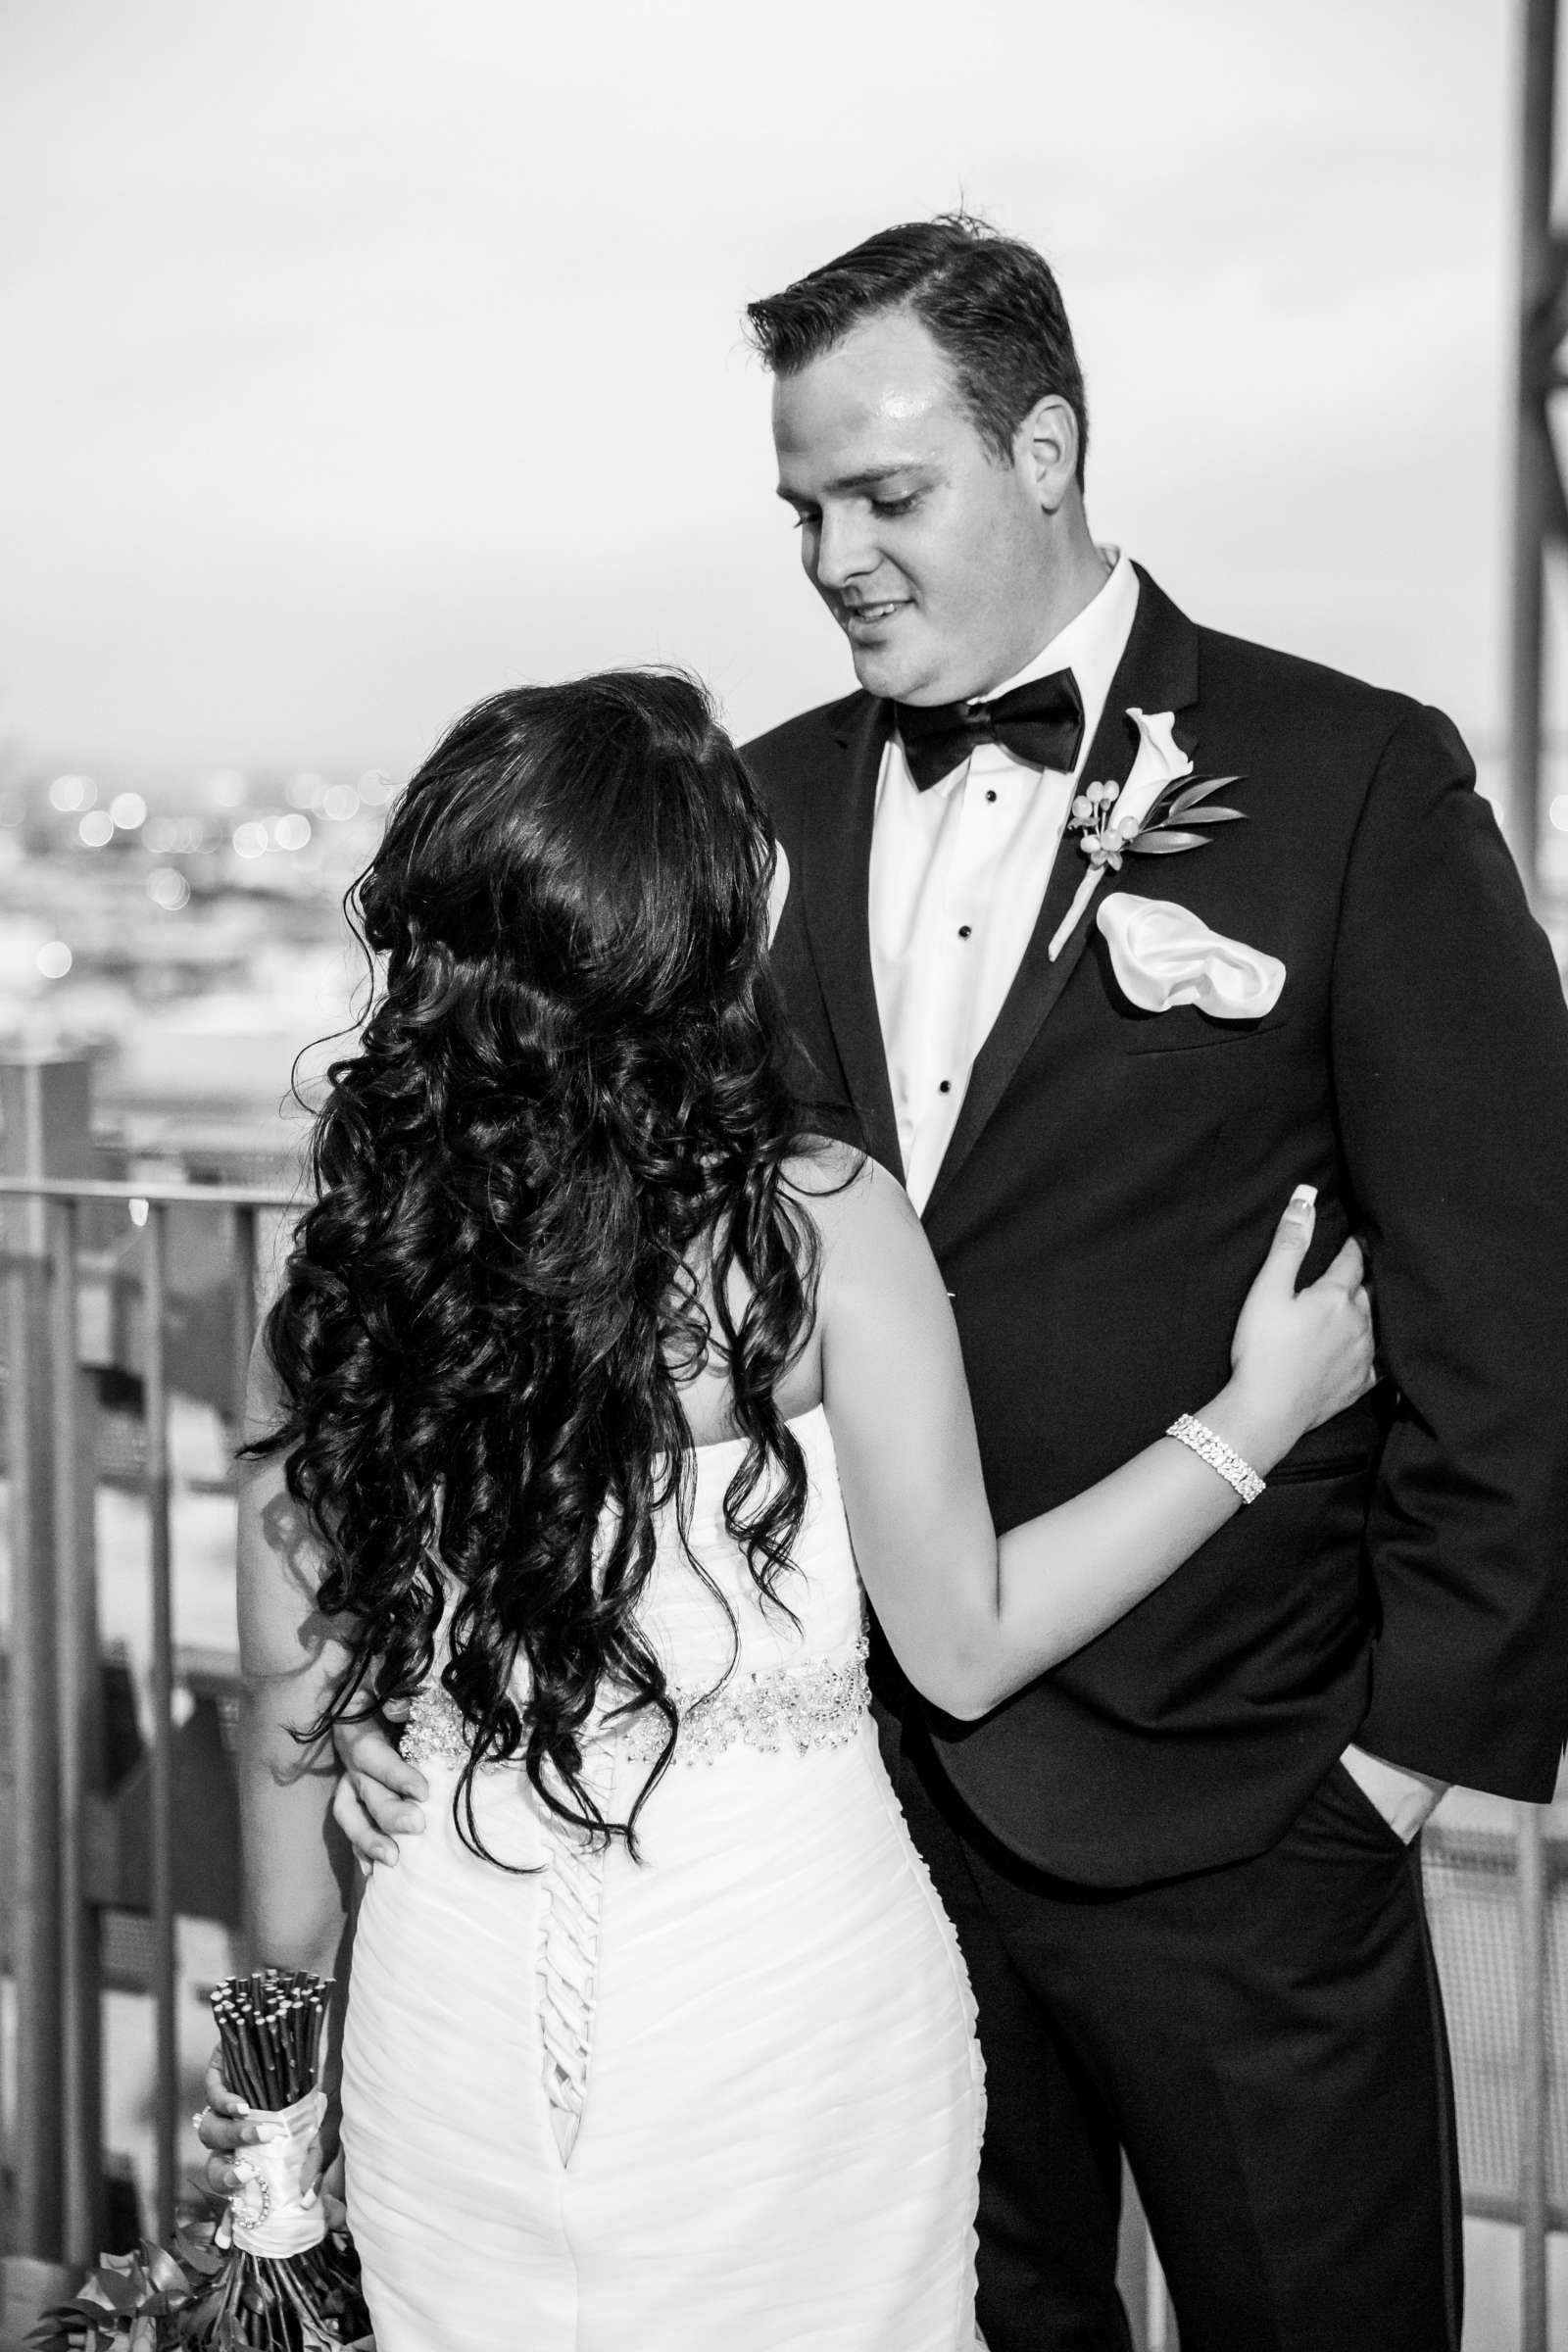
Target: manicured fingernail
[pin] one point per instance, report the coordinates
(265, 2128)
(387, 1854)
(1304, 1196)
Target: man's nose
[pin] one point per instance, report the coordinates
(843, 550)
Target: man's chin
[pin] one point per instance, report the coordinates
(882, 672)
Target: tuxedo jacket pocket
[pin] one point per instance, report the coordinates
(1185, 1030)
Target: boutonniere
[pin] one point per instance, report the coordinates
(1153, 812)
(1105, 837)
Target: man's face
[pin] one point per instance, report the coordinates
(928, 551)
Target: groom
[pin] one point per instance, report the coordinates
(1100, 1039)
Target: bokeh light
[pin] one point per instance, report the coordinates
(96, 828)
(292, 832)
(229, 789)
(167, 888)
(54, 960)
(128, 811)
(250, 839)
(68, 794)
(340, 802)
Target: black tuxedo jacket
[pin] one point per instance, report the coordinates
(1109, 1192)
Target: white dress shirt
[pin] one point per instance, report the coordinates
(956, 877)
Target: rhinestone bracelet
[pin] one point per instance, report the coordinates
(1202, 1440)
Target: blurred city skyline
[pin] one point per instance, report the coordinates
(367, 357)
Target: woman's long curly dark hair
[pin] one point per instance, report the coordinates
(569, 1093)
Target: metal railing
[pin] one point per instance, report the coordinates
(63, 1870)
(1497, 1884)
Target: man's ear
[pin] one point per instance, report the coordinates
(1046, 447)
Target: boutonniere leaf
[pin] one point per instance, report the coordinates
(1106, 841)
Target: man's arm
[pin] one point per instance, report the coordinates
(1451, 1061)
(379, 1798)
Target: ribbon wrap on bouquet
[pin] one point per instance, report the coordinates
(268, 2214)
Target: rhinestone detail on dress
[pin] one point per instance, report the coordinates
(435, 1732)
(785, 1706)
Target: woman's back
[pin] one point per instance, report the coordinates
(724, 2093)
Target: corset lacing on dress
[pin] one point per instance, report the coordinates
(568, 1966)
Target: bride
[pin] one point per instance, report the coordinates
(598, 1399)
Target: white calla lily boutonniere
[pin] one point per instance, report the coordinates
(1152, 815)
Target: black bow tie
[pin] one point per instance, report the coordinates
(1042, 723)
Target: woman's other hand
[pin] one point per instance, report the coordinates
(1300, 1356)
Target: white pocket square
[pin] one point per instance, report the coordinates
(1162, 956)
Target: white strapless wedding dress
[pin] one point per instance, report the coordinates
(724, 2098)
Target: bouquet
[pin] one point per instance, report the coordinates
(268, 2276)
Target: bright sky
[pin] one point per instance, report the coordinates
(365, 354)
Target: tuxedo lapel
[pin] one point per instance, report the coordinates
(835, 853)
(1157, 672)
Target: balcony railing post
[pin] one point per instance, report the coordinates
(154, 1374)
(43, 1132)
(37, 2226)
(73, 1404)
(1534, 2080)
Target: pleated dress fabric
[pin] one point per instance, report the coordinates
(723, 2096)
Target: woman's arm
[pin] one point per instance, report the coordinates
(972, 1619)
(296, 1864)
(298, 1867)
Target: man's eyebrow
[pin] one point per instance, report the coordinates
(867, 479)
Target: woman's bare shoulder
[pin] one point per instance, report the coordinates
(851, 1199)
(821, 1167)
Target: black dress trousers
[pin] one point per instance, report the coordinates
(1266, 2042)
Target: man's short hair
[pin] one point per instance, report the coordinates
(991, 303)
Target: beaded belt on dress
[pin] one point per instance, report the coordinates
(800, 1707)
